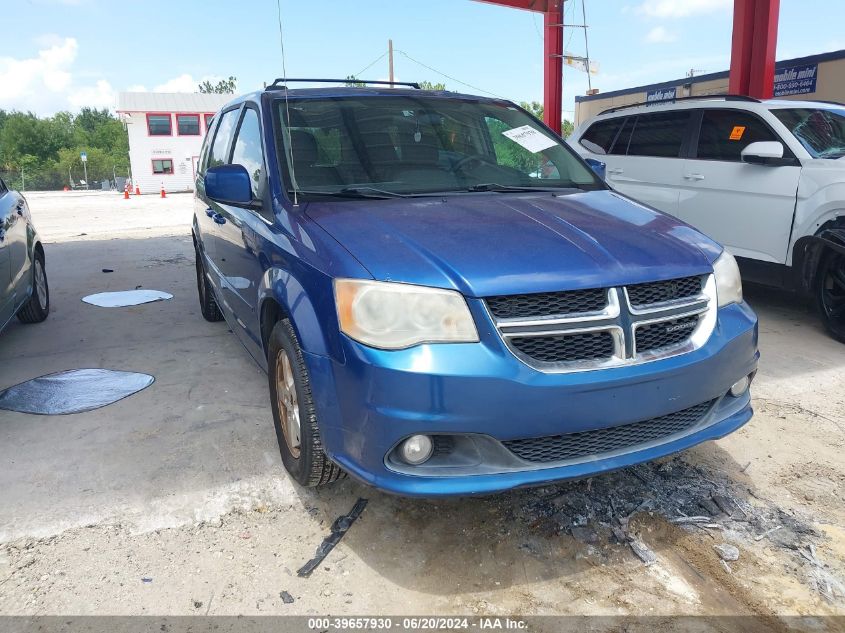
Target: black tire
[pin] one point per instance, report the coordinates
(208, 304)
(830, 294)
(38, 307)
(306, 462)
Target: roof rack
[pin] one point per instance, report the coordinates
(281, 83)
(694, 98)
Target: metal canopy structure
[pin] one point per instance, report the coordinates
(753, 50)
(552, 11)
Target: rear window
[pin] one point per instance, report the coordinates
(599, 136)
(659, 135)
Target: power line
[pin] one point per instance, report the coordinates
(378, 59)
(416, 61)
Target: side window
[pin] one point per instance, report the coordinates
(220, 147)
(248, 151)
(620, 147)
(725, 133)
(599, 136)
(3, 189)
(659, 135)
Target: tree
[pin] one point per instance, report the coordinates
(352, 82)
(223, 87)
(534, 107)
(567, 127)
(427, 85)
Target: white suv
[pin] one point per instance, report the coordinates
(765, 178)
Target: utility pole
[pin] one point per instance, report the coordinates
(390, 58)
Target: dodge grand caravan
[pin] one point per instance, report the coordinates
(448, 301)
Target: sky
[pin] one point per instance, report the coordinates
(66, 54)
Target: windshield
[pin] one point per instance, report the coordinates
(821, 131)
(405, 145)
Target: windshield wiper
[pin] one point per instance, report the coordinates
(354, 192)
(493, 186)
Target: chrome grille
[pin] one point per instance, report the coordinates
(556, 448)
(641, 295)
(653, 336)
(606, 327)
(566, 348)
(544, 304)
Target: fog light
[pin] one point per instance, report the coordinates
(740, 387)
(417, 449)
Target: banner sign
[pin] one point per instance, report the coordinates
(661, 94)
(796, 80)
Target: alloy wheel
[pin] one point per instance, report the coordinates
(288, 403)
(40, 284)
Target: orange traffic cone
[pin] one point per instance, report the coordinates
(163, 194)
(126, 192)
(137, 190)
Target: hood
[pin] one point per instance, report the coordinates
(493, 243)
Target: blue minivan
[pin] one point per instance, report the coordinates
(448, 300)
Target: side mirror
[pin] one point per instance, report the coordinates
(229, 184)
(598, 166)
(763, 153)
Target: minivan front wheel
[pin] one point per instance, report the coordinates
(208, 304)
(294, 414)
(830, 294)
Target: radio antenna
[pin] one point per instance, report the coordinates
(287, 110)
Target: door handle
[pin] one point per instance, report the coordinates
(219, 219)
(210, 212)
(616, 171)
(694, 176)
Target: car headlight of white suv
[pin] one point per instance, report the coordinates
(728, 281)
(396, 316)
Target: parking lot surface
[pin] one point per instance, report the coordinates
(175, 501)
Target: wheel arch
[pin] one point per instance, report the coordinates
(283, 296)
(809, 250)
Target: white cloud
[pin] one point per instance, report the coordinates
(682, 8)
(659, 35)
(101, 95)
(45, 83)
(182, 83)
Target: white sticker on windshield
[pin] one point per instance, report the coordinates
(531, 139)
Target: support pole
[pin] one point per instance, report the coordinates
(390, 57)
(553, 65)
(754, 47)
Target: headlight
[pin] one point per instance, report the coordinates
(396, 316)
(728, 282)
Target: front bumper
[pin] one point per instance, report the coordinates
(373, 399)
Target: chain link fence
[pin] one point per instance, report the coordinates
(54, 180)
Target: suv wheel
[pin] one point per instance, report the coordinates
(208, 304)
(38, 307)
(294, 414)
(830, 294)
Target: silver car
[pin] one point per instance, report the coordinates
(23, 280)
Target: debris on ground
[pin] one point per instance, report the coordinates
(340, 527)
(286, 597)
(727, 552)
(643, 552)
(684, 495)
